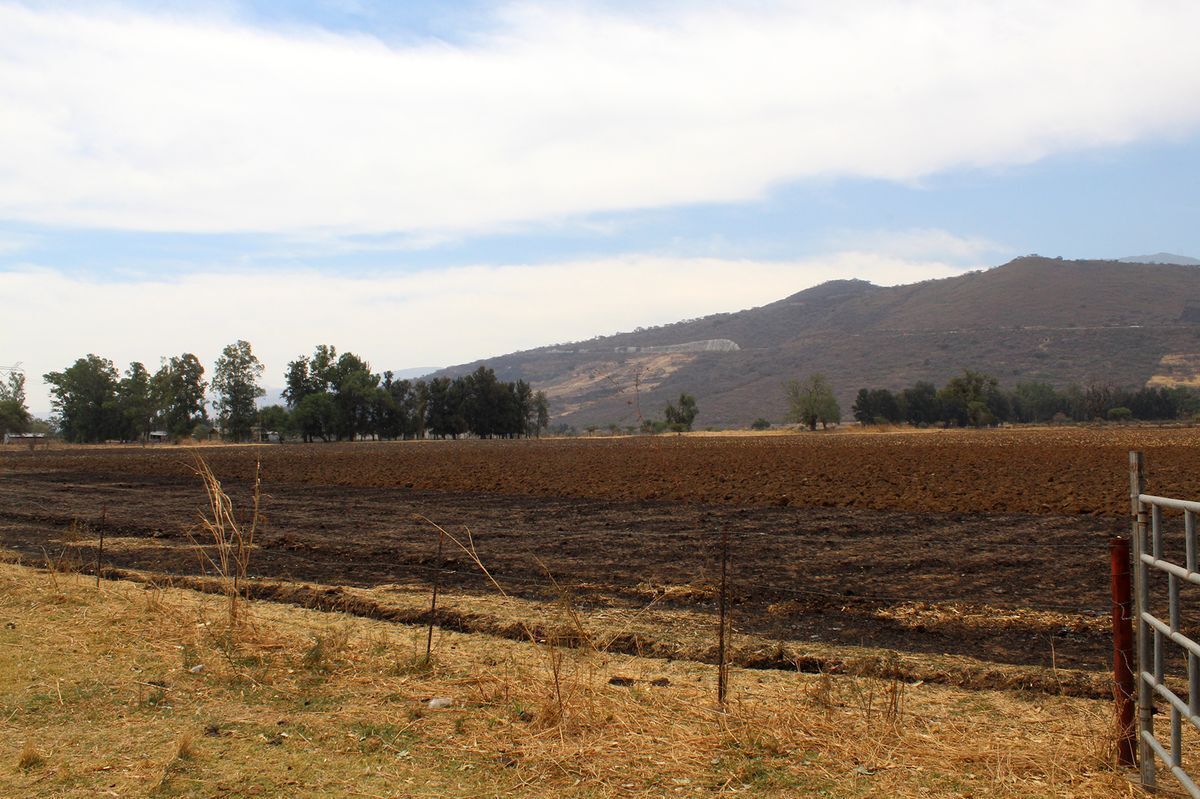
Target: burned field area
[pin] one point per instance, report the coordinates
(991, 546)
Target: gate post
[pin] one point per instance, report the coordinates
(1122, 628)
(1145, 702)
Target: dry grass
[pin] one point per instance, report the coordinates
(133, 697)
(229, 540)
(673, 633)
(29, 758)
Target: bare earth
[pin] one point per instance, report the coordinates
(990, 545)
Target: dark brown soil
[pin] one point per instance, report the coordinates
(1008, 587)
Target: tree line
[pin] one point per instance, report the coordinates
(328, 397)
(14, 416)
(92, 401)
(976, 399)
(338, 397)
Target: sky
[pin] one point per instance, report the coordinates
(425, 184)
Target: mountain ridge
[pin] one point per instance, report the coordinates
(1056, 320)
(1161, 258)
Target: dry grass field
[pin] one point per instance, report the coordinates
(128, 690)
(914, 614)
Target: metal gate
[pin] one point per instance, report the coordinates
(1150, 528)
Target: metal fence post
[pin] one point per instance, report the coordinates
(1122, 627)
(723, 621)
(1142, 595)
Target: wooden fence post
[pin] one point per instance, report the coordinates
(437, 581)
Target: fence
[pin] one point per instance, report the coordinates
(1153, 633)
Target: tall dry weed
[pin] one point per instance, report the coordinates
(225, 544)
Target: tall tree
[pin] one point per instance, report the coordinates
(876, 405)
(14, 415)
(180, 386)
(136, 402)
(541, 407)
(84, 399)
(521, 421)
(298, 382)
(921, 403)
(314, 416)
(1035, 401)
(354, 391)
(812, 402)
(973, 398)
(235, 379)
(680, 416)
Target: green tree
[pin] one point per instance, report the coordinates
(680, 415)
(314, 416)
(408, 401)
(1034, 401)
(275, 419)
(541, 408)
(521, 421)
(235, 379)
(920, 404)
(812, 401)
(354, 391)
(875, 406)
(14, 415)
(973, 398)
(180, 388)
(137, 403)
(442, 407)
(298, 382)
(84, 400)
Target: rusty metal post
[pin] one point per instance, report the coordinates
(437, 581)
(722, 665)
(1122, 629)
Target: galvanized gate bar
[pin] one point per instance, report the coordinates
(1171, 568)
(1177, 771)
(1177, 637)
(1173, 504)
(1154, 633)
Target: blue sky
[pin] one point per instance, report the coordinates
(425, 184)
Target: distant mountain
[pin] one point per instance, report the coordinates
(414, 372)
(1031, 319)
(1161, 258)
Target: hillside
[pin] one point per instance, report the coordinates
(1033, 318)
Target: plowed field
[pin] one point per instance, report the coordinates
(1052, 470)
(990, 544)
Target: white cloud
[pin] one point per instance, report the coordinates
(126, 120)
(920, 244)
(395, 321)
